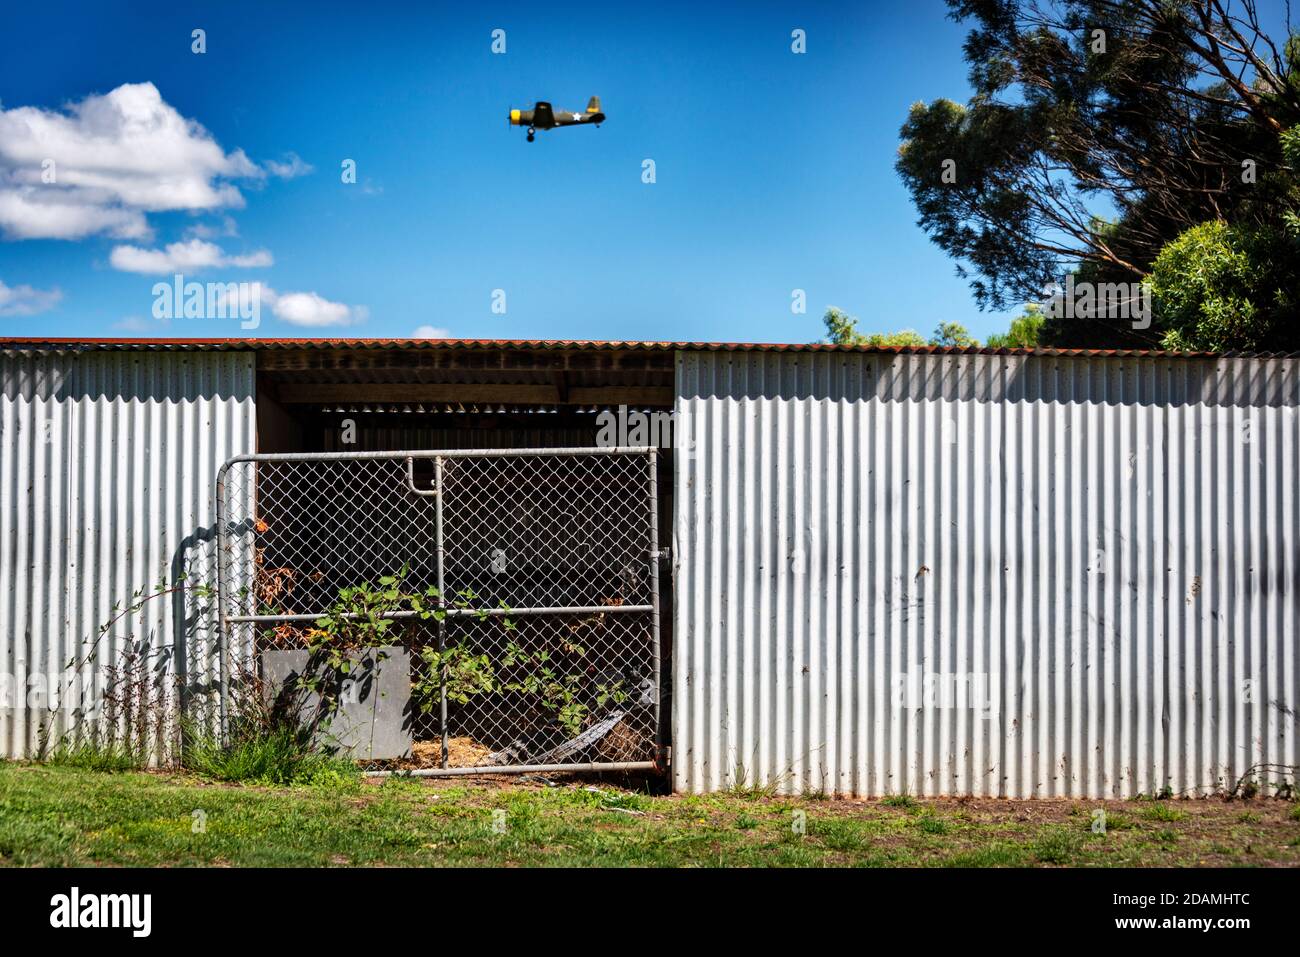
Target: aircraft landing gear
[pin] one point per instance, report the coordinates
(531, 132)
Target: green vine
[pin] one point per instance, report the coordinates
(361, 621)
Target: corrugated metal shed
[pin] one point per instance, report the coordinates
(590, 345)
(1111, 543)
(1108, 540)
(587, 345)
(107, 465)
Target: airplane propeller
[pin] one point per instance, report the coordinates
(510, 121)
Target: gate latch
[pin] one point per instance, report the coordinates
(665, 552)
(410, 478)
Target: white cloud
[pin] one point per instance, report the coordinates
(27, 300)
(302, 308)
(311, 309)
(292, 167)
(189, 256)
(431, 332)
(140, 324)
(30, 214)
(113, 158)
(222, 229)
(256, 260)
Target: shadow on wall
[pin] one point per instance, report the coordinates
(107, 495)
(124, 376)
(196, 630)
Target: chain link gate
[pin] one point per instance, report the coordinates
(546, 564)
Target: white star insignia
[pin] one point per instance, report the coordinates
(577, 116)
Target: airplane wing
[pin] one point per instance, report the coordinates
(543, 118)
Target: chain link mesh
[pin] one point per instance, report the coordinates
(546, 574)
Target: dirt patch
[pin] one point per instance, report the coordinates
(462, 752)
(622, 742)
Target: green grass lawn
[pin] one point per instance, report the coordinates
(69, 816)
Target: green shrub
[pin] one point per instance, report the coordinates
(1219, 287)
(1056, 846)
(1025, 330)
(1162, 812)
(280, 757)
(930, 824)
(100, 754)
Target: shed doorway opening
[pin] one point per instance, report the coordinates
(538, 552)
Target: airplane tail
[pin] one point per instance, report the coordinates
(593, 105)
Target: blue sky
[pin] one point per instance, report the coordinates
(774, 171)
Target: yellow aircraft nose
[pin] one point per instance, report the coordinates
(514, 117)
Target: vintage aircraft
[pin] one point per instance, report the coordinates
(543, 117)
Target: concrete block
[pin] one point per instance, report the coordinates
(374, 718)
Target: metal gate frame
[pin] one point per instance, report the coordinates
(653, 555)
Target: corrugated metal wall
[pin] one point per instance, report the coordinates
(107, 465)
(1112, 542)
